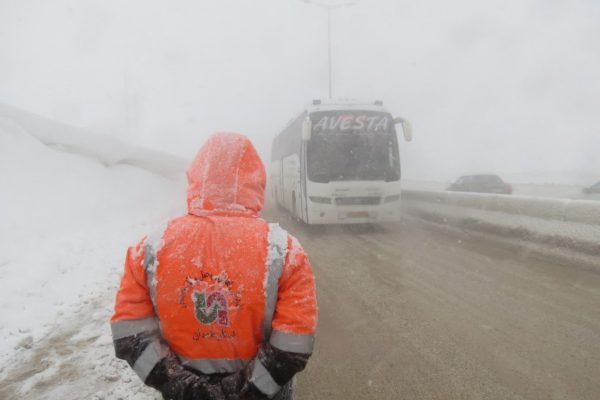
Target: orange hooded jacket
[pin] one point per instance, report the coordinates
(215, 285)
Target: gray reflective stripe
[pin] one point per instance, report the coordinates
(150, 265)
(278, 240)
(121, 329)
(151, 355)
(262, 379)
(293, 342)
(152, 246)
(214, 365)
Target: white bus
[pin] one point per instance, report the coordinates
(339, 163)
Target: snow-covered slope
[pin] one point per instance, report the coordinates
(105, 149)
(66, 218)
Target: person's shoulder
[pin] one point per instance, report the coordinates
(295, 250)
(157, 233)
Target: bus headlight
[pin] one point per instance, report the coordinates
(390, 199)
(320, 200)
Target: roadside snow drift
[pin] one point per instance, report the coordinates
(566, 228)
(67, 218)
(105, 149)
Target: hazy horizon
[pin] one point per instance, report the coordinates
(505, 87)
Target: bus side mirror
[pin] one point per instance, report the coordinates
(306, 129)
(406, 128)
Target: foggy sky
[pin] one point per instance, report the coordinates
(490, 86)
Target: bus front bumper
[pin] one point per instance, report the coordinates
(327, 214)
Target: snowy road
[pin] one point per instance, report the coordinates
(415, 313)
(74, 361)
(406, 311)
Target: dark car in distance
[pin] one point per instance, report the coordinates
(481, 184)
(592, 189)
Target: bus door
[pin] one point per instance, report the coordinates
(303, 196)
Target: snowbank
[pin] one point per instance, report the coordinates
(66, 220)
(105, 149)
(568, 227)
(551, 190)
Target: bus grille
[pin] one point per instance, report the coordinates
(357, 201)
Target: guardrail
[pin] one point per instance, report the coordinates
(557, 225)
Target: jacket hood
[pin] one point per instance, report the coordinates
(226, 177)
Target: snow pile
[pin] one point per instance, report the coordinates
(551, 190)
(570, 228)
(104, 149)
(67, 219)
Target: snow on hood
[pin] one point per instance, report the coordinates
(227, 176)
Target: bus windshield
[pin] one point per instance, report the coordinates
(352, 146)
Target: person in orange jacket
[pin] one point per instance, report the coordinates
(218, 304)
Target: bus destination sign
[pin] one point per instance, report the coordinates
(353, 122)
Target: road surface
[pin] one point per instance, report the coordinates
(413, 312)
(407, 311)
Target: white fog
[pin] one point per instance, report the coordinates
(461, 264)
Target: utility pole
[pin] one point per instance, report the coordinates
(329, 8)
